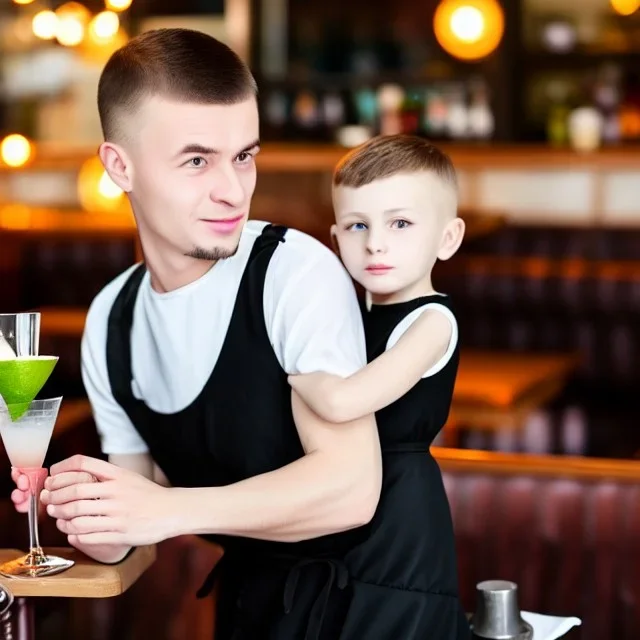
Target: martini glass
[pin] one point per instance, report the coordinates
(26, 426)
(26, 440)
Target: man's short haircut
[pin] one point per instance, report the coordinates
(179, 64)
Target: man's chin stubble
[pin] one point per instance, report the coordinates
(211, 255)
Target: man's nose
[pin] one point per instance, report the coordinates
(227, 187)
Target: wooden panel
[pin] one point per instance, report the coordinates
(522, 465)
(302, 157)
(57, 322)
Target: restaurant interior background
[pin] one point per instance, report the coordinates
(538, 104)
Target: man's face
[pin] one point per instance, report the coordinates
(192, 175)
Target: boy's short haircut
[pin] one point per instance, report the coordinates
(385, 156)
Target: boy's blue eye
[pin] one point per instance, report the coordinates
(358, 226)
(401, 224)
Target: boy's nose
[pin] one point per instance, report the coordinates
(376, 243)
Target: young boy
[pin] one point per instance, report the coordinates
(395, 201)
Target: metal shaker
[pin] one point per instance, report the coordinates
(497, 615)
(6, 600)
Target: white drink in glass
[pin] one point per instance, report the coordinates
(27, 440)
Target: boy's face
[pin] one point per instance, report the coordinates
(391, 232)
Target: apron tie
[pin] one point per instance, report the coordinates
(337, 575)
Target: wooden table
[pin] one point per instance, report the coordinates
(497, 390)
(85, 579)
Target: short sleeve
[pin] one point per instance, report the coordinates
(311, 310)
(408, 320)
(116, 431)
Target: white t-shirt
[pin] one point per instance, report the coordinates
(310, 309)
(410, 318)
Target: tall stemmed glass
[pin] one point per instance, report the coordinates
(26, 426)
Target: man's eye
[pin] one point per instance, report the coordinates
(197, 162)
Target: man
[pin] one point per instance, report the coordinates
(185, 358)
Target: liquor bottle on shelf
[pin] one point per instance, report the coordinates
(276, 114)
(434, 114)
(537, 433)
(558, 114)
(390, 98)
(411, 111)
(606, 96)
(481, 120)
(366, 106)
(332, 111)
(457, 115)
(574, 433)
(305, 110)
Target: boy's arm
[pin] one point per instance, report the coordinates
(387, 378)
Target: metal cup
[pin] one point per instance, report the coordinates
(497, 615)
(6, 600)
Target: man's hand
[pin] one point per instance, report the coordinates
(101, 553)
(121, 508)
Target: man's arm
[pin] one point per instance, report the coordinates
(334, 487)
(314, 323)
(384, 380)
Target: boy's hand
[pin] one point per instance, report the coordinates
(20, 495)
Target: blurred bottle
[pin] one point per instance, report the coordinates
(457, 115)
(366, 105)
(558, 114)
(435, 114)
(537, 434)
(305, 111)
(481, 120)
(390, 98)
(574, 431)
(412, 109)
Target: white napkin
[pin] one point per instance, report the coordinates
(549, 627)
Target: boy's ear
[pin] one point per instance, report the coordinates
(334, 239)
(451, 238)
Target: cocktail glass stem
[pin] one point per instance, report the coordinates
(35, 550)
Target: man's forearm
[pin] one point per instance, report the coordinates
(105, 553)
(314, 496)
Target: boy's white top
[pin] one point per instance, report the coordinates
(311, 313)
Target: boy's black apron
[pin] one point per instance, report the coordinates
(239, 426)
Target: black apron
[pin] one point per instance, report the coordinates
(240, 426)
(403, 576)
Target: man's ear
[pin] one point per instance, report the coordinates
(117, 165)
(334, 239)
(451, 238)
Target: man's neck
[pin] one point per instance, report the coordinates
(169, 274)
